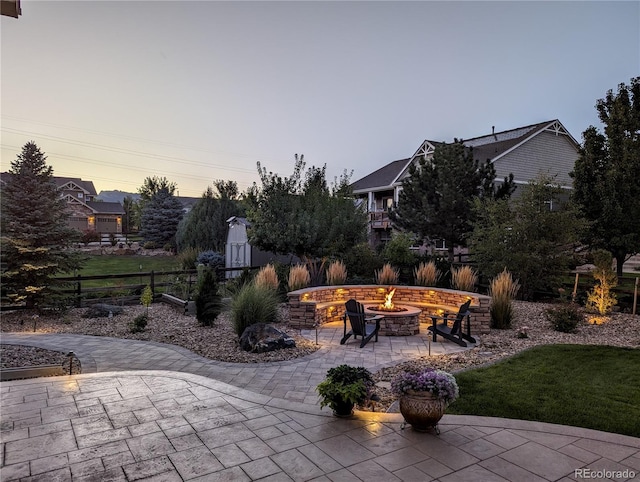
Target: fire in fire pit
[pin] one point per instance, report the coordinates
(388, 303)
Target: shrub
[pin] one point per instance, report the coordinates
(267, 278)
(362, 261)
(139, 323)
(232, 286)
(398, 250)
(463, 278)
(112, 239)
(336, 273)
(187, 258)
(426, 274)
(299, 277)
(211, 259)
(502, 289)
(253, 304)
(345, 383)
(387, 275)
(146, 298)
(90, 236)
(565, 318)
(600, 298)
(150, 245)
(207, 300)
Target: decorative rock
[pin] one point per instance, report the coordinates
(261, 337)
(102, 311)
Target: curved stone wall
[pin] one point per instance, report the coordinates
(311, 307)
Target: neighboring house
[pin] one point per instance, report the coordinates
(526, 152)
(85, 213)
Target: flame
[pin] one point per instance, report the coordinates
(388, 299)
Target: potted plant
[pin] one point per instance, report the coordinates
(345, 386)
(424, 395)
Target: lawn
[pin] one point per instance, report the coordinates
(112, 265)
(595, 387)
(99, 265)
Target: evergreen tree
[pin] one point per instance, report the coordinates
(437, 197)
(36, 240)
(207, 300)
(606, 176)
(160, 218)
(205, 226)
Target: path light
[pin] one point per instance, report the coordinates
(70, 355)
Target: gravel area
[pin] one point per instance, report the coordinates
(166, 325)
(169, 325)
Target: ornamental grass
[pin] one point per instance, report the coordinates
(387, 275)
(253, 304)
(299, 277)
(502, 289)
(336, 273)
(426, 274)
(464, 278)
(267, 278)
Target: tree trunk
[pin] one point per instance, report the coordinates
(620, 259)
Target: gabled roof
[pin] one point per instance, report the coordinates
(105, 208)
(86, 186)
(383, 177)
(489, 147)
(97, 207)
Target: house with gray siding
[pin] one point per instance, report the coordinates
(543, 148)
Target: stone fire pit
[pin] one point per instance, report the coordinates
(397, 323)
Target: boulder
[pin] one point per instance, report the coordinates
(102, 310)
(261, 337)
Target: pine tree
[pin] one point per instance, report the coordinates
(205, 227)
(36, 239)
(208, 301)
(160, 218)
(436, 201)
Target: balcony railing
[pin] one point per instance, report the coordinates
(379, 220)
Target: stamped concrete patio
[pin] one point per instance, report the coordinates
(148, 411)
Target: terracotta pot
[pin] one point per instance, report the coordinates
(421, 410)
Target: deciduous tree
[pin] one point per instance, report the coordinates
(606, 177)
(36, 240)
(523, 235)
(303, 215)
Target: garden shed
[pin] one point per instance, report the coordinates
(240, 254)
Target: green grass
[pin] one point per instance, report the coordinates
(595, 387)
(98, 265)
(111, 265)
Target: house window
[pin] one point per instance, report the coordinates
(80, 195)
(549, 204)
(440, 244)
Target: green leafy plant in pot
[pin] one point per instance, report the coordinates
(344, 387)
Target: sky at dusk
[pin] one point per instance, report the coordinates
(117, 91)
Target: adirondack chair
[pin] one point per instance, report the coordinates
(454, 333)
(361, 325)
